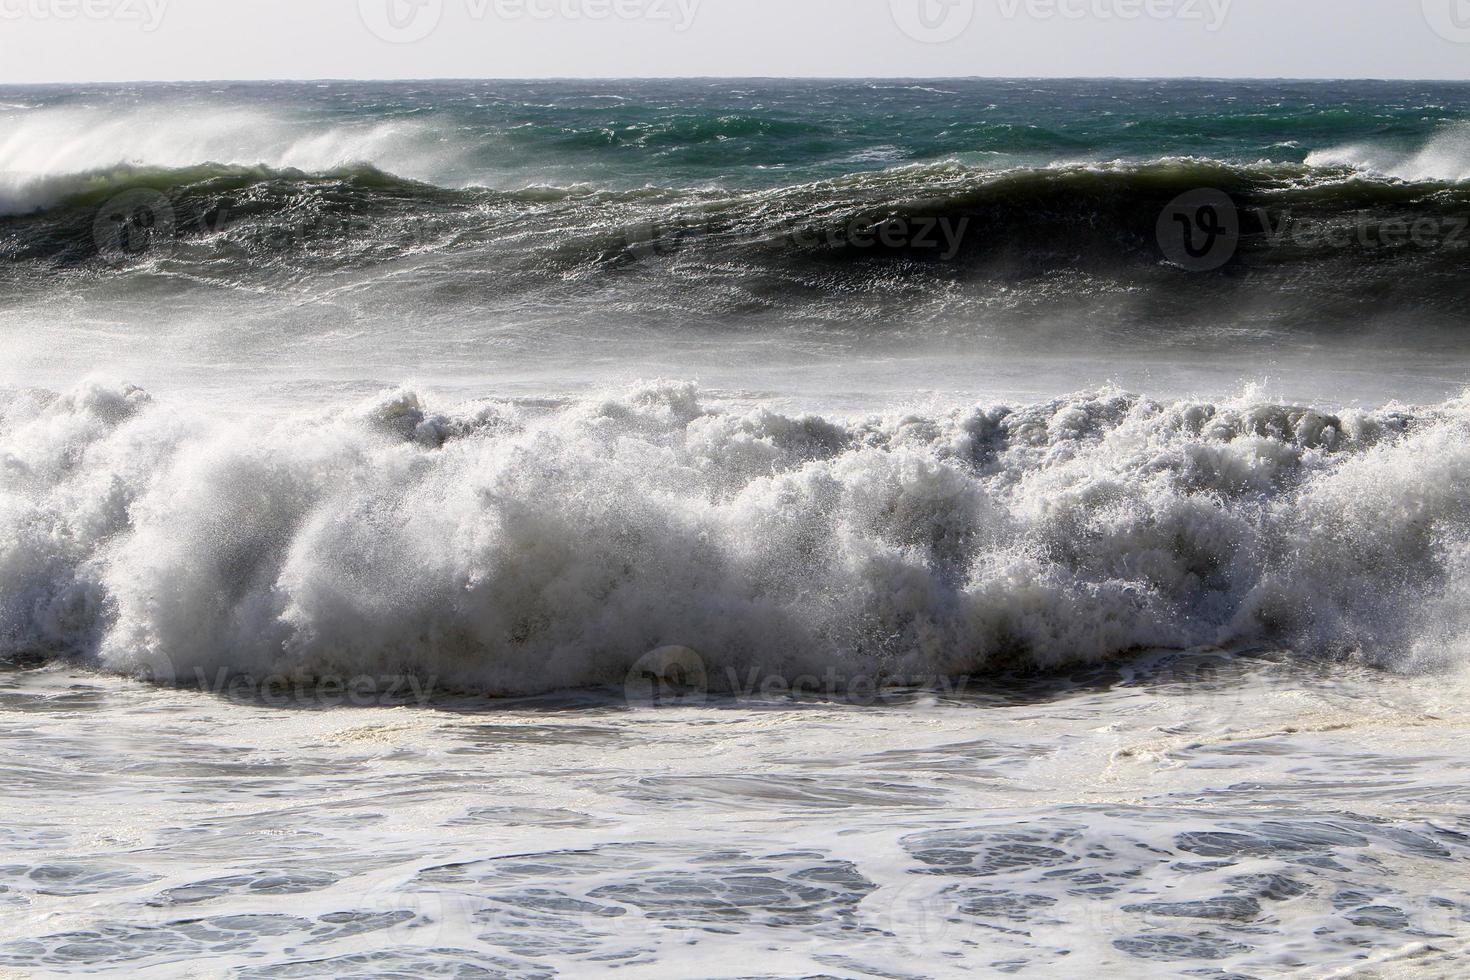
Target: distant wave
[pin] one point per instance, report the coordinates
(1446, 157)
(44, 153)
(67, 193)
(508, 548)
(47, 153)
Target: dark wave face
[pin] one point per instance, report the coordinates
(458, 218)
(1332, 243)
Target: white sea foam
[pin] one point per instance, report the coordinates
(1445, 157)
(48, 154)
(517, 549)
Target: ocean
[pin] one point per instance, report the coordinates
(735, 528)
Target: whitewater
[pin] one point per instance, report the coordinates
(518, 549)
(762, 528)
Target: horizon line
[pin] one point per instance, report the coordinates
(740, 78)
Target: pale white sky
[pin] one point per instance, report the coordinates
(105, 40)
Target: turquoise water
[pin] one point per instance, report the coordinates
(755, 134)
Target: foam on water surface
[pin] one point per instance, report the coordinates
(1179, 816)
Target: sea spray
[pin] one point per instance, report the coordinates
(517, 549)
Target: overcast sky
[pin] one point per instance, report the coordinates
(102, 40)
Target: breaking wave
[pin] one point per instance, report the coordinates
(1445, 157)
(49, 155)
(516, 548)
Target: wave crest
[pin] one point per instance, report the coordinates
(516, 548)
(47, 154)
(1445, 158)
